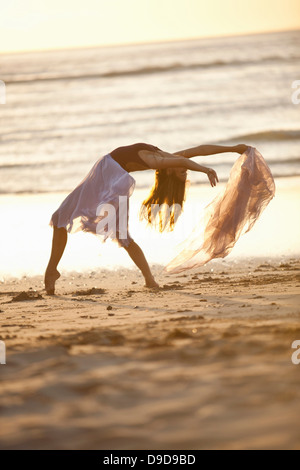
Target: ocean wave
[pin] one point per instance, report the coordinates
(28, 191)
(9, 166)
(176, 67)
(35, 134)
(62, 164)
(267, 135)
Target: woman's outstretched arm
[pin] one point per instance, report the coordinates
(162, 160)
(202, 150)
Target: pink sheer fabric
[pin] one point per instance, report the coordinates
(232, 213)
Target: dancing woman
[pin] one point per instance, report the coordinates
(109, 179)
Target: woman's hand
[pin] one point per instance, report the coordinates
(212, 176)
(241, 148)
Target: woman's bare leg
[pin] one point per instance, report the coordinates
(139, 259)
(60, 236)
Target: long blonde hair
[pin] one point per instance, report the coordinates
(168, 195)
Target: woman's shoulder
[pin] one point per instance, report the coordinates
(145, 146)
(134, 148)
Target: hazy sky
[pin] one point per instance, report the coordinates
(50, 24)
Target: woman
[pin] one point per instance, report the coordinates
(109, 179)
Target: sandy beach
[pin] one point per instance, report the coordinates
(203, 362)
(206, 360)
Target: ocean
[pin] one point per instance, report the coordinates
(66, 108)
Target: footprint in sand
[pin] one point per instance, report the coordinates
(26, 296)
(92, 291)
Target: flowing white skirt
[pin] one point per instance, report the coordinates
(102, 195)
(233, 212)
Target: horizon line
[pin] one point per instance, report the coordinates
(144, 43)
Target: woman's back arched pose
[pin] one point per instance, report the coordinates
(109, 179)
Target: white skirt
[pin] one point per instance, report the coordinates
(83, 209)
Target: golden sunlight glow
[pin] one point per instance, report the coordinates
(52, 24)
(87, 252)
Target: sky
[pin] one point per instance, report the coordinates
(50, 24)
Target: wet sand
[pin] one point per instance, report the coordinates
(202, 363)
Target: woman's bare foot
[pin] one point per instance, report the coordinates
(50, 278)
(151, 283)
